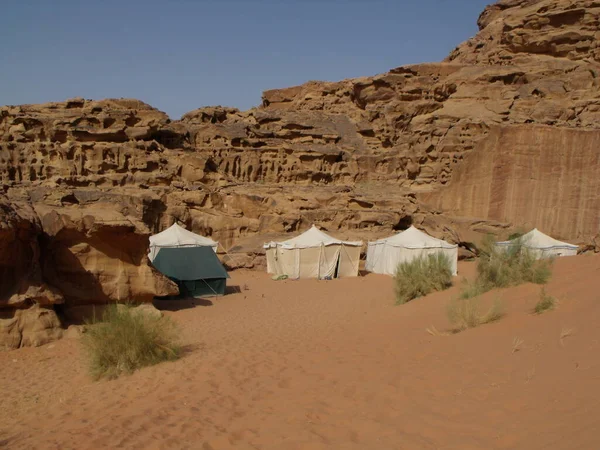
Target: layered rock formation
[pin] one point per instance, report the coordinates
(532, 175)
(502, 134)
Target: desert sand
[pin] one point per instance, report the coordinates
(331, 364)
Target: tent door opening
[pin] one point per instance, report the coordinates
(337, 267)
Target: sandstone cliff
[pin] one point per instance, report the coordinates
(502, 134)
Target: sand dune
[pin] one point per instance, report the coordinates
(315, 365)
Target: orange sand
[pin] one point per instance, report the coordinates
(331, 364)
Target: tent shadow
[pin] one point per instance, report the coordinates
(180, 304)
(233, 290)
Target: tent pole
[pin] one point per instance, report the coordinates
(214, 292)
(299, 265)
(319, 266)
(227, 253)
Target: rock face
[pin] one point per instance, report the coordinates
(538, 175)
(503, 134)
(21, 283)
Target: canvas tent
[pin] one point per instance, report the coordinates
(190, 260)
(178, 237)
(196, 270)
(541, 245)
(384, 255)
(313, 254)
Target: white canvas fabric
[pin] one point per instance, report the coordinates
(312, 237)
(384, 255)
(541, 245)
(313, 254)
(176, 236)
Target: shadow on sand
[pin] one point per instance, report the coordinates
(233, 290)
(190, 302)
(178, 305)
(189, 349)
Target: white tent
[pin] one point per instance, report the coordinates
(541, 245)
(313, 254)
(384, 255)
(176, 237)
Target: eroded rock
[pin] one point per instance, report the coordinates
(29, 327)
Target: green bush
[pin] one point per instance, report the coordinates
(422, 276)
(515, 235)
(504, 267)
(124, 340)
(545, 303)
(466, 313)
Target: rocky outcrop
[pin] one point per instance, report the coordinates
(556, 28)
(503, 134)
(21, 280)
(30, 327)
(53, 254)
(81, 143)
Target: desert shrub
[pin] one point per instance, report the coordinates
(473, 289)
(422, 276)
(515, 235)
(545, 303)
(504, 267)
(124, 340)
(464, 313)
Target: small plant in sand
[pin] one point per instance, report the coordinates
(565, 333)
(545, 303)
(464, 313)
(422, 276)
(124, 340)
(517, 342)
(504, 267)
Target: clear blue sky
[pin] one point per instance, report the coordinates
(178, 55)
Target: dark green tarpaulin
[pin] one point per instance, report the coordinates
(196, 270)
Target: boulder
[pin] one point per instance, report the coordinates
(30, 327)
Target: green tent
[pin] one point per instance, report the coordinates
(196, 270)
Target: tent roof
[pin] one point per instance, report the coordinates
(176, 236)
(313, 237)
(189, 263)
(414, 238)
(538, 240)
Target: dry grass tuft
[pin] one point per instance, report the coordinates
(565, 333)
(125, 340)
(517, 342)
(465, 313)
(545, 303)
(530, 374)
(422, 276)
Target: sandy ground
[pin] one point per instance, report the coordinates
(331, 364)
